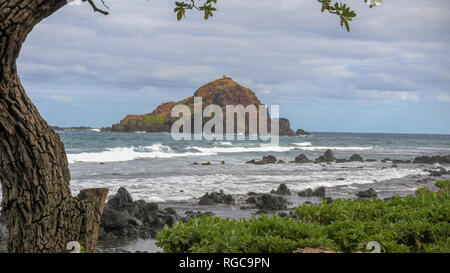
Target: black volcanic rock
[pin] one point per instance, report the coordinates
(301, 132)
(356, 157)
(370, 193)
(282, 190)
(269, 159)
(301, 159)
(432, 159)
(319, 192)
(268, 202)
(400, 161)
(328, 156)
(216, 197)
(124, 217)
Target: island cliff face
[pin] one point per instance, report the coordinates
(221, 92)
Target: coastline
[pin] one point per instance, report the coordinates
(236, 210)
(240, 209)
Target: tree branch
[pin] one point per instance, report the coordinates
(95, 8)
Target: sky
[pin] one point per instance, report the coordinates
(390, 73)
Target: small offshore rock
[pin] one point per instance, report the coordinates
(282, 190)
(268, 202)
(216, 197)
(269, 159)
(400, 161)
(432, 159)
(370, 193)
(319, 192)
(301, 159)
(356, 157)
(328, 156)
(301, 132)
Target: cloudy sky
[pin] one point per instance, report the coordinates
(391, 73)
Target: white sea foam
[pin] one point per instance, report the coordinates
(120, 154)
(268, 148)
(351, 148)
(184, 187)
(226, 143)
(303, 144)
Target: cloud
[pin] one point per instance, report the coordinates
(60, 98)
(443, 97)
(287, 51)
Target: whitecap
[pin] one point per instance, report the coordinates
(267, 148)
(120, 154)
(303, 144)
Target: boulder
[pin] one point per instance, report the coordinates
(328, 156)
(124, 217)
(319, 192)
(115, 221)
(268, 202)
(399, 161)
(269, 159)
(432, 159)
(301, 132)
(370, 193)
(439, 171)
(356, 157)
(302, 159)
(215, 198)
(282, 190)
(120, 200)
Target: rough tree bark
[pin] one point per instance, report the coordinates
(42, 216)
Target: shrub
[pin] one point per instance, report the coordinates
(410, 224)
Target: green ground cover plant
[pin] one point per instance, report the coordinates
(415, 223)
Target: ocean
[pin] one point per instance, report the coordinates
(154, 167)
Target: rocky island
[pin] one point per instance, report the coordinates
(222, 92)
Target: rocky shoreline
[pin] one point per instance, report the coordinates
(128, 220)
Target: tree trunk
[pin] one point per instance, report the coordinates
(41, 214)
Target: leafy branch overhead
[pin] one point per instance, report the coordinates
(342, 10)
(207, 7)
